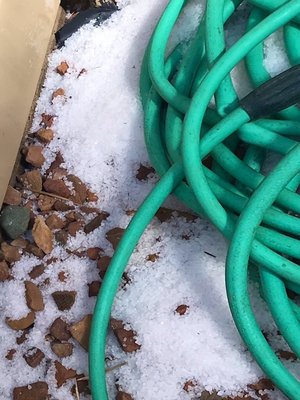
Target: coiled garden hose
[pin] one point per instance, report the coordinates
(256, 212)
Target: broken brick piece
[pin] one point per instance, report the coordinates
(37, 271)
(125, 337)
(114, 236)
(94, 288)
(47, 120)
(57, 93)
(62, 350)
(123, 396)
(144, 171)
(59, 330)
(262, 384)
(45, 135)
(34, 298)
(55, 222)
(12, 197)
(62, 373)
(103, 264)
(64, 299)
(4, 271)
(32, 180)
(62, 68)
(96, 222)
(81, 331)
(34, 391)
(182, 309)
(22, 323)
(57, 186)
(34, 357)
(94, 252)
(35, 156)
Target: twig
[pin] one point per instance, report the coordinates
(86, 378)
(115, 367)
(55, 196)
(77, 390)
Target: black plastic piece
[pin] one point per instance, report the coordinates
(99, 14)
(275, 95)
(75, 5)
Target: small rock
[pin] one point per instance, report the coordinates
(12, 197)
(61, 237)
(262, 384)
(20, 242)
(96, 222)
(62, 350)
(94, 288)
(47, 119)
(58, 173)
(63, 206)
(45, 135)
(91, 197)
(206, 395)
(23, 337)
(93, 253)
(189, 385)
(42, 235)
(57, 187)
(75, 227)
(34, 298)
(62, 374)
(79, 188)
(287, 355)
(62, 68)
(123, 396)
(46, 282)
(32, 249)
(56, 163)
(58, 92)
(4, 271)
(74, 216)
(182, 309)
(14, 220)
(89, 210)
(46, 203)
(114, 236)
(62, 277)
(37, 271)
(64, 299)
(152, 257)
(103, 264)
(34, 357)
(11, 253)
(35, 156)
(80, 331)
(126, 338)
(34, 391)
(144, 172)
(59, 330)
(10, 354)
(165, 214)
(55, 222)
(22, 323)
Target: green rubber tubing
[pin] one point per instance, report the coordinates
(255, 211)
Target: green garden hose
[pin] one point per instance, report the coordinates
(256, 212)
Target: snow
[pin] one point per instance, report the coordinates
(98, 129)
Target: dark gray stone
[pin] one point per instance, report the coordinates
(14, 220)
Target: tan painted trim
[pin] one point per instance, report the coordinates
(26, 27)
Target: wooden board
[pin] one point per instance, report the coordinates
(26, 30)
